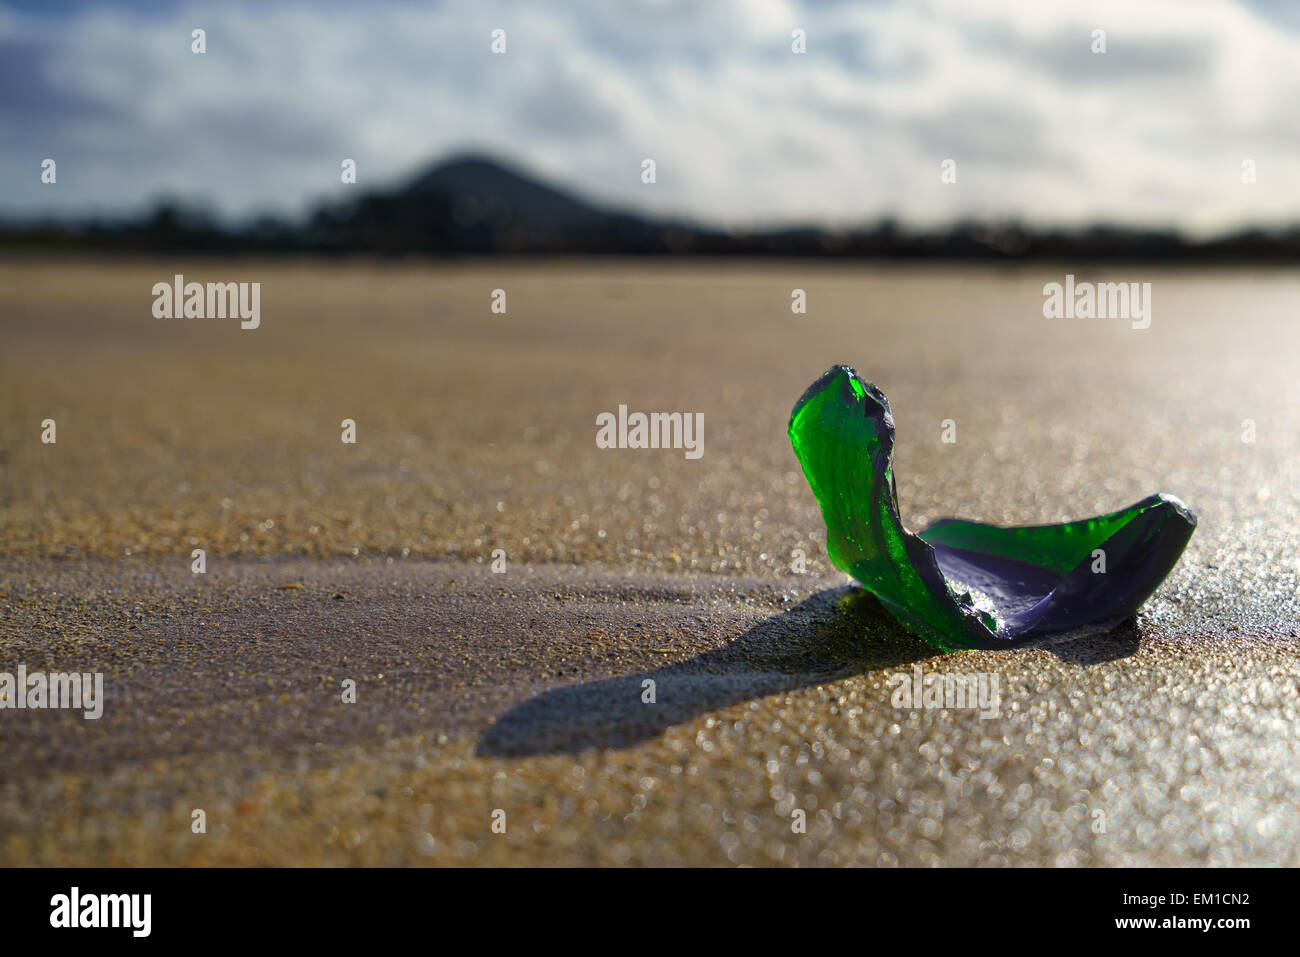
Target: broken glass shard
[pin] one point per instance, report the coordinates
(960, 584)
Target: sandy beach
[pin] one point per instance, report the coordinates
(1167, 741)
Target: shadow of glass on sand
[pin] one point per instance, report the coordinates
(831, 635)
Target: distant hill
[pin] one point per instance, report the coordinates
(483, 191)
(474, 205)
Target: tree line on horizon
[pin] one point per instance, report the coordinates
(474, 206)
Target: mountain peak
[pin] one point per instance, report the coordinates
(482, 189)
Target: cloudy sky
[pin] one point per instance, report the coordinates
(743, 131)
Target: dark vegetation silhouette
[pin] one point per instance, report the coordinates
(475, 206)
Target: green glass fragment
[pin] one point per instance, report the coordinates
(960, 584)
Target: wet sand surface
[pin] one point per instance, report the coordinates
(1168, 740)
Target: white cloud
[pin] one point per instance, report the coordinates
(743, 131)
